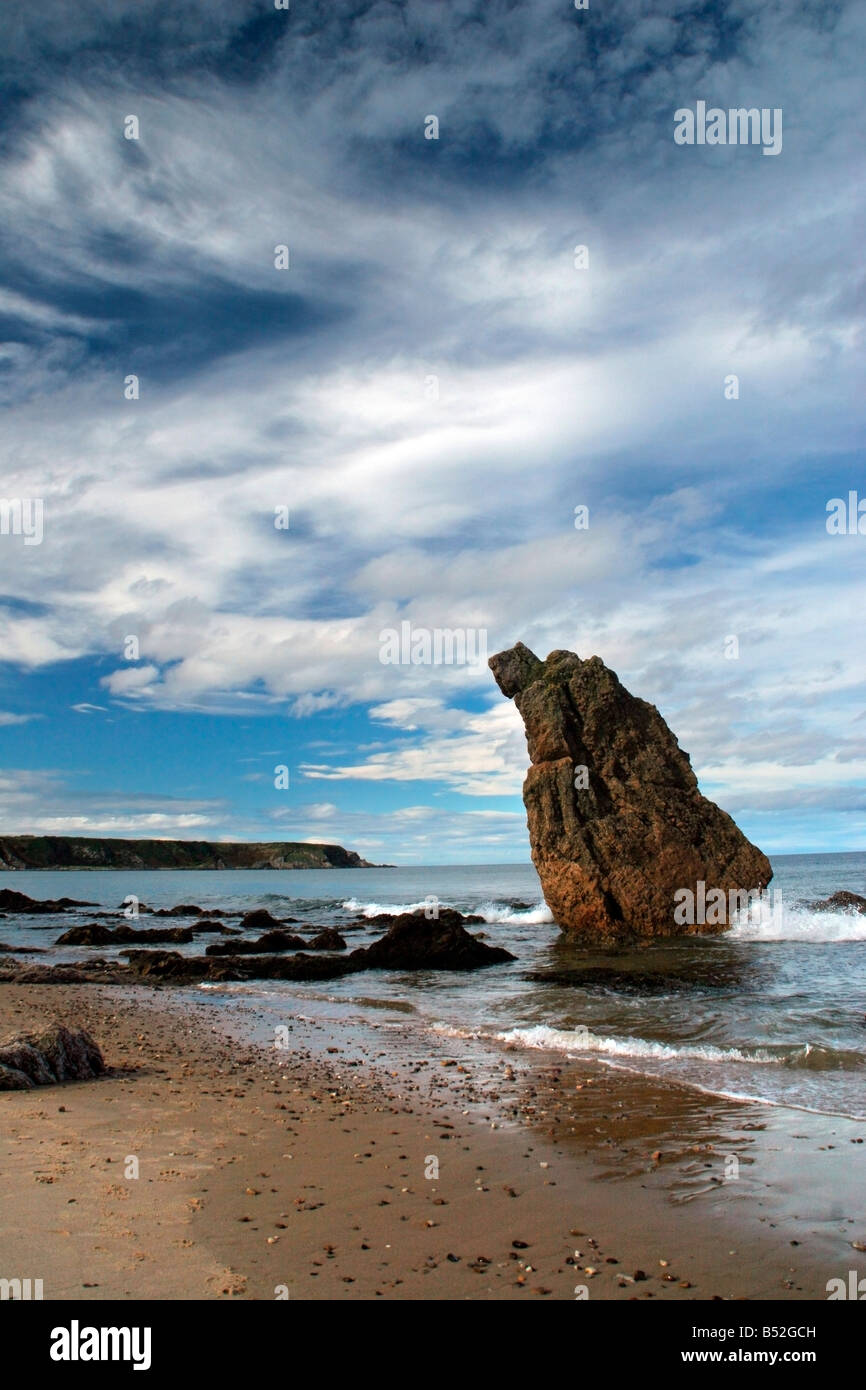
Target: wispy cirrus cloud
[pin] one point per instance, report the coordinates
(432, 387)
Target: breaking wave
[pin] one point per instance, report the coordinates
(382, 909)
(530, 917)
(496, 914)
(547, 1039)
(798, 924)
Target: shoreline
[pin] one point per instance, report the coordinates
(308, 1170)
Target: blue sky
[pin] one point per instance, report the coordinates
(309, 388)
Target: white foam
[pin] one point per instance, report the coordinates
(447, 1030)
(378, 909)
(789, 923)
(493, 913)
(530, 917)
(582, 1040)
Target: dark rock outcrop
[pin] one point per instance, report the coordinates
(617, 824)
(843, 901)
(172, 968)
(95, 934)
(93, 971)
(177, 935)
(12, 902)
(43, 1059)
(413, 942)
(328, 939)
(187, 910)
(385, 919)
(278, 940)
(271, 942)
(260, 920)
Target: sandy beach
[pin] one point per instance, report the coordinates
(311, 1173)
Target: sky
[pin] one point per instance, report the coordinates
(426, 393)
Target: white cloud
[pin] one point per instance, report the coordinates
(488, 759)
(556, 386)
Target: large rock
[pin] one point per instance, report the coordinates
(42, 1059)
(72, 1054)
(612, 854)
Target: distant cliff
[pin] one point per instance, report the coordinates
(72, 852)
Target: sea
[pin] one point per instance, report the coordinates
(772, 1011)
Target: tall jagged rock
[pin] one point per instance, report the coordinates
(617, 824)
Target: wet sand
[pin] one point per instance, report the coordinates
(324, 1172)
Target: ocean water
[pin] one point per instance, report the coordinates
(773, 1010)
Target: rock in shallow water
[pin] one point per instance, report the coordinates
(443, 943)
(617, 824)
(96, 934)
(328, 939)
(843, 901)
(12, 902)
(260, 920)
(271, 942)
(411, 943)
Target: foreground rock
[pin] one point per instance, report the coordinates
(617, 824)
(43, 1059)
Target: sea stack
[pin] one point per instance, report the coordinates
(622, 839)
